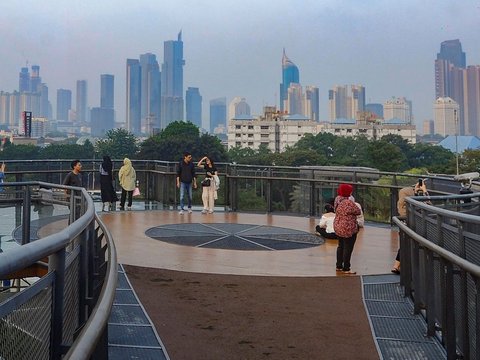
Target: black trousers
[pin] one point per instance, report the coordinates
(126, 194)
(344, 251)
(324, 233)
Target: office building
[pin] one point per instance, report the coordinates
(218, 114)
(346, 102)
(398, 108)
(172, 82)
(101, 120)
(237, 107)
(64, 104)
(446, 116)
(81, 103)
(24, 80)
(40, 127)
(134, 80)
(193, 105)
(428, 127)
(150, 92)
(376, 109)
(294, 101)
(290, 74)
(274, 129)
(311, 103)
(35, 79)
(107, 91)
(471, 107)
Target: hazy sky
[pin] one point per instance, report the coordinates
(234, 48)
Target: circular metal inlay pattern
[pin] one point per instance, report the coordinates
(234, 236)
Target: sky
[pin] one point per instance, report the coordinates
(234, 48)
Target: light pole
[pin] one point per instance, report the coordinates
(455, 116)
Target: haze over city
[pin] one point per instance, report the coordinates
(235, 48)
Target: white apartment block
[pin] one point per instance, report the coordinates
(446, 112)
(372, 130)
(273, 129)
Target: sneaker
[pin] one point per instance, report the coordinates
(204, 211)
(181, 212)
(317, 233)
(129, 208)
(210, 211)
(189, 210)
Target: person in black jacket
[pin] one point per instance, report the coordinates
(186, 178)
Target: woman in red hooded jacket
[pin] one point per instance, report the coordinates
(345, 226)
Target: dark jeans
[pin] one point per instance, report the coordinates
(123, 197)
(324, 233)
(344, 252)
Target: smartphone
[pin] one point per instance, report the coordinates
(420, 182)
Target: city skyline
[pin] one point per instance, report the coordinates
(389, 50)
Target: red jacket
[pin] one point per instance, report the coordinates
(346, 212)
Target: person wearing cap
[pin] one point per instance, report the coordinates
(345, 226)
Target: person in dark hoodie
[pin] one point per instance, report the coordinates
(186, 179)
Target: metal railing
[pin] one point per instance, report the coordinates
(74, 278)
(440, 259)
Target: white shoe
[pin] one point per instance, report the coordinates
(204, 211)
(129, 208)
(210, 211)
(189, 210)
(181, 212)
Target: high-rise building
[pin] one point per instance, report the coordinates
(193, 102)
(294, 102)
(471, 105)
(445, 116)
(150, 92)
(311, 103)
(346, 102)
(35, 79)
(81, 103)
(64, 103)
(24, 80)
(218, 114)
(101, 120)
(451, 50)
(4, 107)
(134, 80)
(238, 107)
(107, 91)
(428, 127)
(290, 74)
(172, 81)
(398, 108)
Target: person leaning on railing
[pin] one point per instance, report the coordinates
(420, 189)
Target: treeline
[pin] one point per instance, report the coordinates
(390, 153)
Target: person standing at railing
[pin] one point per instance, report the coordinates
(208, 184)
(2, 176)
(74, 177)
(127, 177)
(345, 226)
(420, 189)
(107, 190)
(186, 179)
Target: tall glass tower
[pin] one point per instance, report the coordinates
(81, 104)
(64, 103)
(150, 95)
(218, 114)
(107, 82)
(451, 50)
(134, 80)
(193, 101)
(172, 81)
(24, 80)
(290, 75)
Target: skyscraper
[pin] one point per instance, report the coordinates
(471, 107)
(346, 102)
(218, 113)
(398, 108)
(24, 80)
(81, 103)
(172, 81)
(35, 79)
(451, 50)
(294, 101)
(64, 103)
(107, 91)
(445, 120)
(237, 107)
(150, 92)
(193, 101)
(311, 103)
(134, 80)
(290, 74)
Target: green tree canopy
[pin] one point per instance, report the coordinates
(118, 144)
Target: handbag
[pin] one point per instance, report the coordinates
(136, 191)
(206, 182)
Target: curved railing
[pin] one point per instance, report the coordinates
(72, 278)
(440, 268)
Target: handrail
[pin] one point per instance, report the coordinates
(88, 338)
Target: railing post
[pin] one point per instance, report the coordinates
(269, 191)
(56, 263)
(26, 216)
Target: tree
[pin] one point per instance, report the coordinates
(432, 157)
(118, 144)
(469, 161)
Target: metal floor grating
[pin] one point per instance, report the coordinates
(131, 334)
(398, 333)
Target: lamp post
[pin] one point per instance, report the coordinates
(455, 116)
